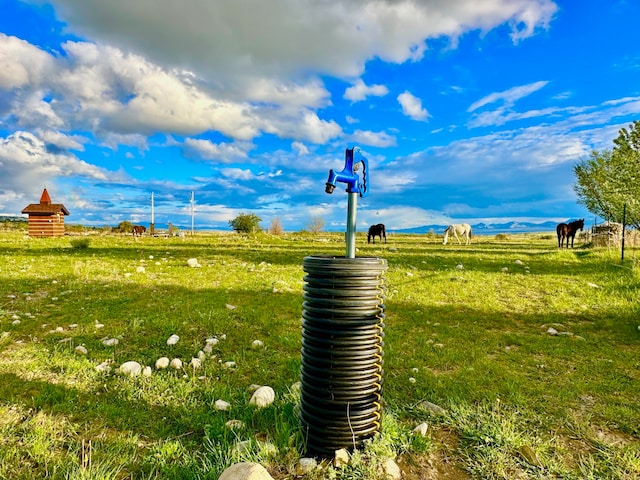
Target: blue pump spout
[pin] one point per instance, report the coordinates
(356, 183)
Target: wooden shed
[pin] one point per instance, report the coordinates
(46, 219)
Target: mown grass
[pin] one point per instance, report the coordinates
(466, 328)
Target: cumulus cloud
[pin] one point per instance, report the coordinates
(359, 91)
(412, 106)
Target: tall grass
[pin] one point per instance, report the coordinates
(467, 328)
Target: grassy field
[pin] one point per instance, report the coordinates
(532, 353)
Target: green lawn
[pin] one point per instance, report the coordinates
(467, 328)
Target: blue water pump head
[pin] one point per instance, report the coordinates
(356, 182)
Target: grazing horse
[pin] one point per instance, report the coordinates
(139, 230)
(568, 231)
(377, 230)
(458, 229)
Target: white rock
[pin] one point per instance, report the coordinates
(110, 342)
(505, 269)
(193, 263)
(99, 325)
(73, 325)
(211, 341)
(518, 262)
(245, 471)
(422, 429)
(460, 266)
(176, 363)
(306, 465)
(201, 356)
(341, 458)
(131, 368)
(221, 405)
(16, 322)
(195, 363)
(146, 371)
(230, 307)
(593, 285)
(412, 380)
(140, 269)
(263, 397)
(162, 363)
(104, 367)
(173, 339)
(235, 424)
(81, 350)
(552, 331)
(257, 344)
(391, 469)
(230, 365)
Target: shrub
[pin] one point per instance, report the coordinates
(276, 227)
(80, 243)
(246, 223)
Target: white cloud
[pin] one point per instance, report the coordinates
(359, 91)
(283, 37)
(412, 106)
(508, 97)
(221, 152)
(374, 139)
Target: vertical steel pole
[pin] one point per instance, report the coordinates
(352, 203)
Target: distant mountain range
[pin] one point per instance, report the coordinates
(487, 228)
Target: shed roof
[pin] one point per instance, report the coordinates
(45, 207)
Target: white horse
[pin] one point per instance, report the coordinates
(458, 229)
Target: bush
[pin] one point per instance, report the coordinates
(80, 243)
(124, 227)
(246, 223)
(276, 227)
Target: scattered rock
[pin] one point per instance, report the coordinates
(263, 397)
(432, 408)
(173, 339)
(230, 364)
(110, 342)
(176, 363)
(257, 344)
(518, 262)
(235, 424)
(245, 471)
(391, 470)
(593, 285)
(412, 380)
(162, 363)
(460, 266)
(193, 263)
(140, 269)
(230, 307)
(505, 269)
(131, 368)
(81, 350)
(552, 331)
(341, 458)
(422, 429)
(195, 363)
(221, 405)
(306, 465)
(146, 371)
(104, 367)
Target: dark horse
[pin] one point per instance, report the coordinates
(568, 231)
(139, 230)
(377, 230)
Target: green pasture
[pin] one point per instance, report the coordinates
(532, 353)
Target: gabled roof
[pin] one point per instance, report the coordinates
(45, 207)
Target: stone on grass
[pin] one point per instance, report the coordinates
(306, 465)
(146, 371)
(193, 263)
(140, 269)
(230, 365)
(221, 405)
(257, 344)
(341, 458)
(176, 363)
(173, 339)
(235, 424)
(422, 429)
(110, 342)
(131, 368)
(104, 367)
(81, 350)
(162, 363)
(195, 363)
(263, 397)
(245, 471)
(432, 408)
(552, 331)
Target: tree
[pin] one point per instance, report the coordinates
(276, 226)
(608, 182)
(246, 223)
(315, 225)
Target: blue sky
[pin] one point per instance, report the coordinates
(466, 110)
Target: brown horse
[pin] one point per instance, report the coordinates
(139, 230)
(568, 231)
(377, 230)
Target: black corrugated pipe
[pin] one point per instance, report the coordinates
(342, 357)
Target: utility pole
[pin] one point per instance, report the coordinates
(192, 212)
